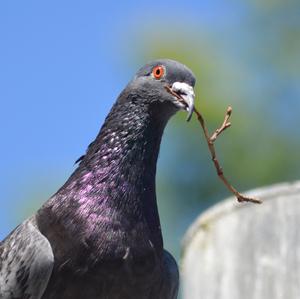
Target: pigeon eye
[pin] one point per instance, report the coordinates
(158, 72)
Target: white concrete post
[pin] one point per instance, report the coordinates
(246, 251)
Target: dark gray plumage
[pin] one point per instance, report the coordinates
(99, 236)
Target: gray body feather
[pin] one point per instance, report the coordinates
(26, 263)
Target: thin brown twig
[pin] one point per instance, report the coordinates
(210, 142)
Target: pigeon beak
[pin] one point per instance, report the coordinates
(185, 96)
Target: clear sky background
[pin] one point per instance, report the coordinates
(63, 63)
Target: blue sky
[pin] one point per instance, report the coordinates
(62, 65)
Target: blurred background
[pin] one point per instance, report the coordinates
(63, 63)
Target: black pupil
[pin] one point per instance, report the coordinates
(158, 72)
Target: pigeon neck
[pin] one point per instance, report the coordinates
(117, 174)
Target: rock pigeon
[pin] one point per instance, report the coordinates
(99, 235)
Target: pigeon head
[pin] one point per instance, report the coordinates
(165, 84)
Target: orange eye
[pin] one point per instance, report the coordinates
(158, 71)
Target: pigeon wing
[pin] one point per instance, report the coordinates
(26, 263)
(169, 288)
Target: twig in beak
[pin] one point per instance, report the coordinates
(169, 89)
(180, 99)
(210, 142)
